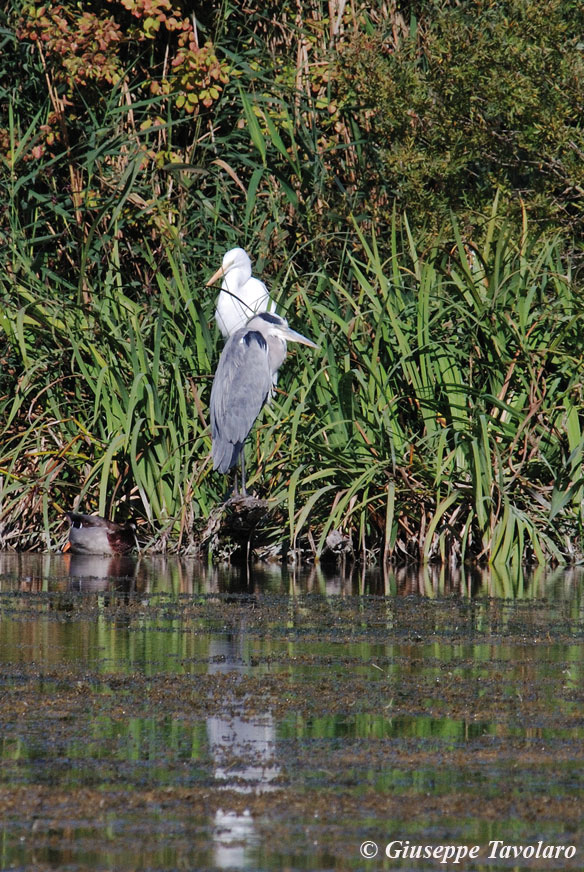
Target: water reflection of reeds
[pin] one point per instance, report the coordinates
(36, 572)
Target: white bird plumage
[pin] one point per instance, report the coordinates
(242, 295)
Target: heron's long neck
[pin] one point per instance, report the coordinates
(276, 353)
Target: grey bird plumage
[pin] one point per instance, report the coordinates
(243, 383)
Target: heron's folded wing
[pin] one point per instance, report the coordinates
(240, 387)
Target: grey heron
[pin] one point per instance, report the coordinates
(244, 382)
(91, 534)
(242, 295)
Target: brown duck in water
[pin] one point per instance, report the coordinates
(90, 534)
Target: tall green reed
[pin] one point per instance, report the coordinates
(450, 403)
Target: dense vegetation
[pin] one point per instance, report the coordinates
(409, 180)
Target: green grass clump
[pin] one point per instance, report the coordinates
(451, 403)
(441, 418)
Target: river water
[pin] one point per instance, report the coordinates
(161, 714)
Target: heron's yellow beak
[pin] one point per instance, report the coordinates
(219, 274)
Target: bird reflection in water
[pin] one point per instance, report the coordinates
(93, 573)
(243, 751)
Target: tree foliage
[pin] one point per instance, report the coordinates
(474, 98)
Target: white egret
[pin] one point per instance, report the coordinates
(242, 295)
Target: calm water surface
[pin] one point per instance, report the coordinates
(161, 714)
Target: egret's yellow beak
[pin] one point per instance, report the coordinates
(219, 274)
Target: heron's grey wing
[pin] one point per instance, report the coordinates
(240, 389)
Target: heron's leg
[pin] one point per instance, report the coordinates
(243, 490)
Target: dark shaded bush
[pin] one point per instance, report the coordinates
(471, 98)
